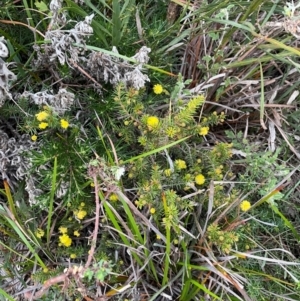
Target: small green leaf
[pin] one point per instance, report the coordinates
(41, 6)
(89, 274)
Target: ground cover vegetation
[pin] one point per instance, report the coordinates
(149, 150)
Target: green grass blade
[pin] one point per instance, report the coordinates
(137, 233)
(25, 240)
(51, 201)
(251, 29)
(204, 289)
(270, 13)
(285, 220)
(189, 291)
(15, 252)
(95, 9)
(252, 8)
(116, 20)
(113, 220)
(99, 30)
(157, 150)
(127, 9)
(28, 12)
(10, 200)
(108, 153)
(132, 222)
(3, 293)
(168, 245)
(126, 58)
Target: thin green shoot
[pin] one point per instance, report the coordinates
(51, 200)
(168, 245)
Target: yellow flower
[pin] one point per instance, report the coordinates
(43, 125)
(63, 230)
(73, 256)
(152, 122)
(82, 204)
(168, 172)
(42, 116)
(158, 89)
(204, 131)
(76, 233)
(245, 205)
(199, 179)
(152, 210)
(65, 240)
(34, 137)
(218, 171)
(64, 123)
(113, 197)
(180, 164)
(80, 214)
(39, 232)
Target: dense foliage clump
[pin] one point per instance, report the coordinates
(148, 150)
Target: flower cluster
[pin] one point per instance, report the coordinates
(180, 164)
(222, 239)
(64, 238)
(80, 213)
(46, 119)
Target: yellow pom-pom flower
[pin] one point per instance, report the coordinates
(42, 116)
(65, 240)
(152, 210)
(34, 137)
(204, 131)
(76, 233)
(245, 205)
(80, 214)
(180, 164)
(39, 233)
(73, 256)
(158, 89)
(152, 122)
(64, 124)
(63, 230)
(168, 172)
(200, 179)
(43, 125)
(113, 197)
